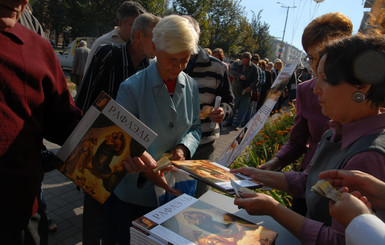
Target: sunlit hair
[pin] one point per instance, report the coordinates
(175, 34)
(358, 60)
(325, 28)
(208, 51)
(144, 23)
(262, 63)
(129, 9)
(194, 23)
(220, 52)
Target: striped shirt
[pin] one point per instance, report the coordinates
(110, 66)
(212, 78)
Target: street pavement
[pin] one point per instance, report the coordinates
(65, 202)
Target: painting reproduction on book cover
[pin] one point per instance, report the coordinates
(94, 153)
(202, 223)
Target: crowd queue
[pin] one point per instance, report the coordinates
(156, 69)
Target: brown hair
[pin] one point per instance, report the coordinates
(325, 28)
(262, 63)
(220, 52)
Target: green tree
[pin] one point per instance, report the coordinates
(261, 36)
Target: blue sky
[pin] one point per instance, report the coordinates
(299, 17)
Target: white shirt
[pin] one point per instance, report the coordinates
(365, 229)
(110, 37)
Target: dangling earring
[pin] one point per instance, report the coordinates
(358, 97)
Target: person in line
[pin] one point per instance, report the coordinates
(353, 99)
(220, 55)
(265, 87)
(213, 80)
(110, 66)
(353, 211)
(79, 63)
(166, 99)
(309, 122)
(35, 104)
(255, 93)
(245, 78)
(125, 16)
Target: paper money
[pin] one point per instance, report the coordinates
(163, 162)
(206, 110)
(324, 188)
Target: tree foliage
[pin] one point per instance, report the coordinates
(223, 23)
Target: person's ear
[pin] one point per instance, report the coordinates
(138, 35)
(363, 88)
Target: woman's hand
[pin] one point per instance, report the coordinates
(348, 207)
(253, 173)
(256, 203)
(145, 165)
(371, 187)
(274, 164)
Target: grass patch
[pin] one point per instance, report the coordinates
(71, 85)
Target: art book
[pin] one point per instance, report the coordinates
(187, 220)
(92, 155)
(256, 123)
(215, 175)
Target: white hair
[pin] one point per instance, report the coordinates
(175, 34)
(82, 43)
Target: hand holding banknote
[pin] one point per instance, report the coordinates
(145, 165)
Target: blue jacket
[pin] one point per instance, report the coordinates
(175, 119)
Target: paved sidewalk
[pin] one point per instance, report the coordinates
(65, 202)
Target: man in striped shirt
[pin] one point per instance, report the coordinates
(212, 78)
(110, 66)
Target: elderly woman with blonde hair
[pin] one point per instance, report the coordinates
(166, 99)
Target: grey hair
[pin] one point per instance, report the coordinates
(144, 23)
(82, 43)
(175, 34)
(193, 22)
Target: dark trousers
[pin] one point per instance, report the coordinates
(35, 233)
(203, 152)
(117, 219)
(92, 214)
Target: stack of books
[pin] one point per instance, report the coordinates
(187, 220)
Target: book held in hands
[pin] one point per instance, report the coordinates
(187, 220)
(215, 175)
(92, 156)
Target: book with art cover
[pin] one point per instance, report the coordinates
(215, 175)
(187, 220)
(139, 236)
(92, 156)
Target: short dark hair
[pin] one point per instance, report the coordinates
(358, 60)
(129, 9)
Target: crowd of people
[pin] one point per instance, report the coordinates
(156, 69)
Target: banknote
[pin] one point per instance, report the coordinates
(324, 188)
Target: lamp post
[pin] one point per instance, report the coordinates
(284, 28)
